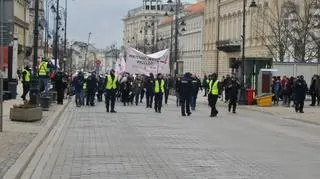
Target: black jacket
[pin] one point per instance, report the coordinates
(92, 84)
(149, 84)
(196, 85)
(186, 87)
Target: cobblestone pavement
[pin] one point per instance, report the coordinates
(138, 143)
(18, 135)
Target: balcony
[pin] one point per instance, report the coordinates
(229, 46)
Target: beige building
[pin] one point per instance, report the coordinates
(223, 34)
(140, 25)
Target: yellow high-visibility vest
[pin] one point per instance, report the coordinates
(43, 69)
(111, 84)
(27, 76)
(214, 89)
(159, 88)
(85, 86)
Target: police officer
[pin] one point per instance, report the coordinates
(111, 83)
(185, 94)
(158, 93)
(92, 85)
(300, 89)
(149, 86)
(26, 77)
(43, 74)
(100, 88)
(214, 92)
(233, 88)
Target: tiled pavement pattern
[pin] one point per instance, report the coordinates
(138, 143)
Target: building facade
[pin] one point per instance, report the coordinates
(140, 26)
(223, 35)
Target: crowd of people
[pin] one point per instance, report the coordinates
(291, 89)
(131, 89)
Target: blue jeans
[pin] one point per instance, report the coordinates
(194, 101)
(79, 97)
(45, 82)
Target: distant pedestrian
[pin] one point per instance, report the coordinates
(92, 86)
(159, 90)
(233, 89)
(26, 77)
(300, 90)
(196, 86)
(137, 88)
(111, 83)
(214, 92)
(149, 86)
(186, 93)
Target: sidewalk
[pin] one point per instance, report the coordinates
(310, 116)
(17, 136)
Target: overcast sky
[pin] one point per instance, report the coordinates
(101, 17)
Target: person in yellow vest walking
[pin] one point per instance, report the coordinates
(158, 93)
(26, 77)
(43, 74)
(111, 85)
(214, 93)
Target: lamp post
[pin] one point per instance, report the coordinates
(65, 31)
(56, 43)
(86, 55)
(176, 33)
(34, 90)
(243, 57)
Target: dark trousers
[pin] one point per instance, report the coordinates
(149, 97)
(90, 98)
(194, 101)
(213, 102)
(136, 98)
(158, 102)
(233, 104)
(205, 91)
(110, 96)
(299, 105)
(166, 96)
(26, 89)
(99, 95)
(141, 95)
(60, 95)
(185, 104)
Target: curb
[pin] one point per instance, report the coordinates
(20, 165)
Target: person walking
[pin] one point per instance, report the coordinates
(233, 89)
(92, 86)
(205, 84)
(186, 92)
(100, 88)
(43, 74)
(196, 86)
(159, 90)
(125, 90)
(78, 84)
(300, 89)
(26, 77)
(149, 86)
(178, 87)
(137, 88)
(214, 92)
(60, 85)
(111, 84)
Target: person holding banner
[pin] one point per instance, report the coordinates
(111, 83)
(159, 86)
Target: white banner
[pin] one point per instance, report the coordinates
(138, 62)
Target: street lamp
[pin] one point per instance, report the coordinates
(34, 90)
(176, 32)
(243, 85)
(86, 55)
(56, 37)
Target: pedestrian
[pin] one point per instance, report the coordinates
(300, 89)
(111, 83)
(26, 77)
(233, 88)
(60, 85)
(205, 84)
(276, 89)
(186, 92)
(92, 86)
(78, 84)
(125, 90)
(100, 88)
(214, 92)
(226, 81)
(143, 89)
(196, 86)
(178, 87)
(149, 86)
(137, 88)
(159, 90)
(43, 74)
